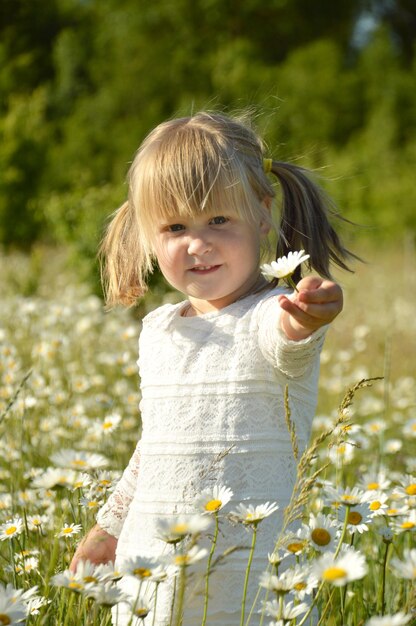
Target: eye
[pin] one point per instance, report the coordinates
(175, 228)
(219, 219)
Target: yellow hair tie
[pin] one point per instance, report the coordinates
(267, 165)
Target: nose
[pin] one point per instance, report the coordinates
(199, 244)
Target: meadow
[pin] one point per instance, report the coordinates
(69, 422)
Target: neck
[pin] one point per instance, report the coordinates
(192, 309)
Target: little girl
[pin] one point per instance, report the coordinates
(214, 367)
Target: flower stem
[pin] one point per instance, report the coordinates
(250, 560)
(211, 554)
(181, 596)
(382, 597)
(291, 282)
(154, 609)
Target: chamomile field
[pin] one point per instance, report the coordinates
(69, 423)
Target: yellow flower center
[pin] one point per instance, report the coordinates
(341, 449)
(213, 505)
(296, 546)
(181, 559)
(374, 506)
(180, 529)
(141, 612)
(79, 462)
(68, 530)
(407, 525)
(74, 585)
(11, 530)
(300, 586)
(4, 619)
(107, 425)
(391, 511)
(411, 489)
(142, 572)
(373, 486)
(105, 483)
(334, 573)
(92, 504)
(354, 518)
(90, 579)
(320, 536)
(374, 428)
(348, 498)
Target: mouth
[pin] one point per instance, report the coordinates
(204, 269)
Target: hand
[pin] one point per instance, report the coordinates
(317, 302)
(98, 547)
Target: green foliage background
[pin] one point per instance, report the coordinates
(331, 85)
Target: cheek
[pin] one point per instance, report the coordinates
(166, 253)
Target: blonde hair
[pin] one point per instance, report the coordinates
(200, 164)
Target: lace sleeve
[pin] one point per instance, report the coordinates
(112, 515)
(293, 358)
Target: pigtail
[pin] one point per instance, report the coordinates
(121, 259)
(304, 222)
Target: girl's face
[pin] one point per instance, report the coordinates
(212, 258)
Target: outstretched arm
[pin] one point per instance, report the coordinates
(317, 302)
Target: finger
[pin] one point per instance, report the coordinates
(310, 314)
(321, 295)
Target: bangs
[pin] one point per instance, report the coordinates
(186, 172)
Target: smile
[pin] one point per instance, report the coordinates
(204, 268)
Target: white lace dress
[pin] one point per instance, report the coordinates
(213, 413)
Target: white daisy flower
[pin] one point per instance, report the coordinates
(253, 514)
(376, 503)
(38, 522)
(174, 530)
(284, 582)
(54, 477)
(12, 611)
(284, 611)
(106, 572)
(78, 459)
(374, 481)
(399, 619)
(347, 497)
(68, 580)
(407, 486)
(86, 573)
(28, 565)
(342, 453)
(213, 500)
(338, 571)
(106, 594)
(409, 429)
(284, 266)
(68, 530)
(35, 604)
(405, 567)
(321, 531)
(294, 543)
(11, 528)
(188, 558)
(139, 567)
(406, 524)
(392, 446)
(358, 518)
(375, 426)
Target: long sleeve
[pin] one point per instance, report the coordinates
(112, 515)
(293, 358)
